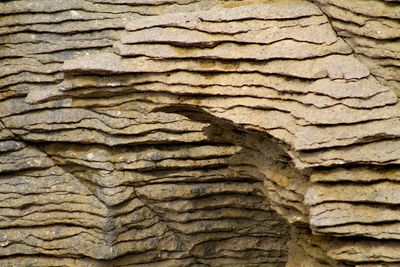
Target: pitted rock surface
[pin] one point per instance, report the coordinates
(194, 132)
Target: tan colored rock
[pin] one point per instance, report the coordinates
(145, 2)
(379, 193)
(56, 6)
(184, 20)
(377, 29)
(24, 19)
(373, 8)
(276, 50)
(336, 213)
(317, 137)
(172, 192)
(367, 251)
(370, 31)
(23, 159)
(274, 106)
(22, 49)
(18, 66)
(362, 153)
(379, 231)
(300, 258)
(262, 12)
(308, 68)
(48, 261)
(193, 21)
(363, 88)
(357, 174)
(184, 37)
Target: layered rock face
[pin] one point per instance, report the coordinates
(101, 179)
(371, 28)
(193, 133)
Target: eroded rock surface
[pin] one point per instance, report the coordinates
(191, 133)
(371, 28)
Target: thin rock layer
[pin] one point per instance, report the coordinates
(102, 179)
(180, 133)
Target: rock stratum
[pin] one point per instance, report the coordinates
(199, 133)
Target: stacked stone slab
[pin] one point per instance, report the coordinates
(141, 133)
(101, 178)
(320, 127)
(371, 28)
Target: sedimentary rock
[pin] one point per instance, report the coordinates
(371, 29)
(191, 133)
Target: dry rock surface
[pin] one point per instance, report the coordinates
(199, 133)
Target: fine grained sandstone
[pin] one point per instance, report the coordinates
(199, 133)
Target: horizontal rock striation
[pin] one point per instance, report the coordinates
(173, 133)
(102, 179)
(274, 75)
(371, 28)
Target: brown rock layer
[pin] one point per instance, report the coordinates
(138, 133)
(371, 28)
(105, 181)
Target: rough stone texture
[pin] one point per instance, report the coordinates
(191, 133)
(371, 28)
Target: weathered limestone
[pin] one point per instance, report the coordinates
(181, 132)
(371, 29)
(107, 180)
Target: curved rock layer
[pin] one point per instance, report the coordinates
(371, 28)
(104, 180)
(141, 133)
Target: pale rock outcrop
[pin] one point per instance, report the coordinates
(171, 133)
(371, 28)
(106, 180)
